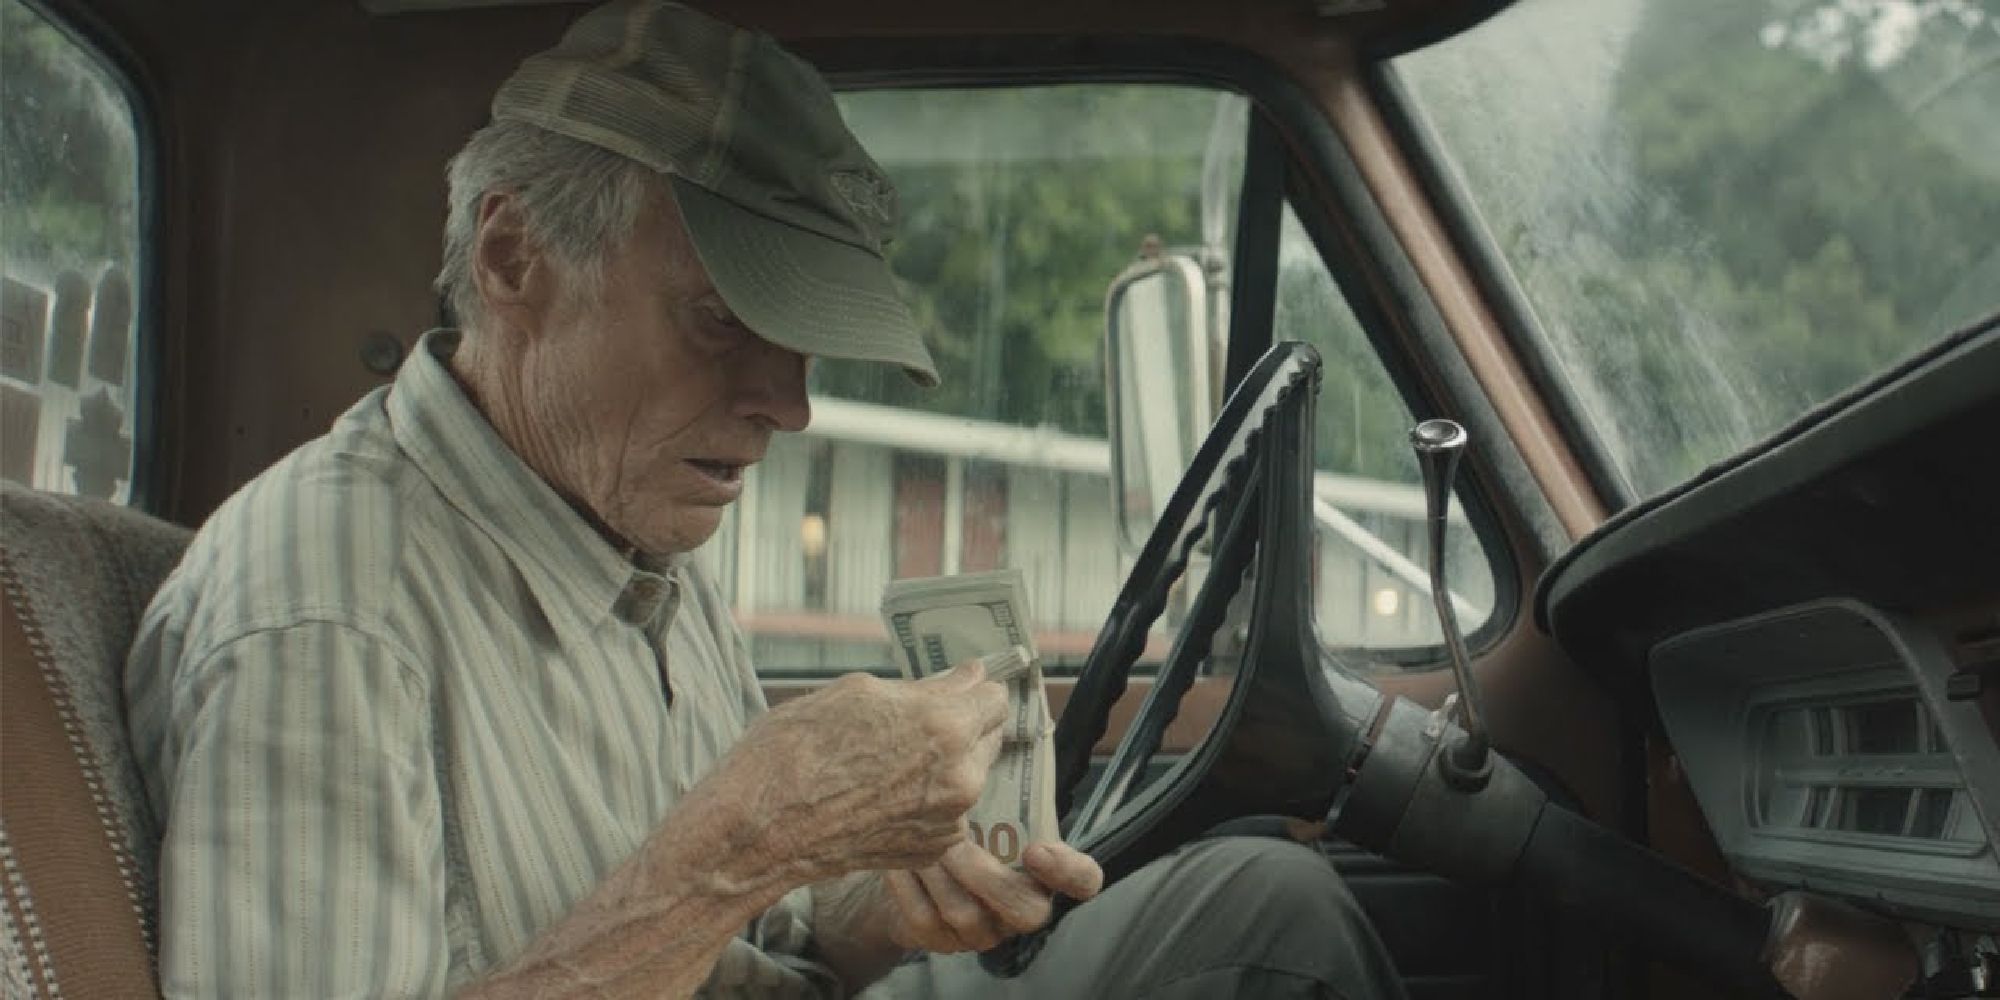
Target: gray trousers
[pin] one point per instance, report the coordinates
(1229, 917)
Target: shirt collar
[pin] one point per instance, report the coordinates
(565, 561)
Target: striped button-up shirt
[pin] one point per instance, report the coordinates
(400, 707)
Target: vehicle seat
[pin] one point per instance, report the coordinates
(78, 841)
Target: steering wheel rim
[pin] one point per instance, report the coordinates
(1220, 463)
(1252, 474)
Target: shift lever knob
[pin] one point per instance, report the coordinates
(1439, 444)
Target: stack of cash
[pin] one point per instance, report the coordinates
(940, 622)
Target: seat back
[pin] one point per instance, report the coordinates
(78, 841)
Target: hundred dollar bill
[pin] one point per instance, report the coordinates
(939, 622)
(1008, 665)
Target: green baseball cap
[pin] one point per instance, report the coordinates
(788, 213)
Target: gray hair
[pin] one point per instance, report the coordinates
(578, 201)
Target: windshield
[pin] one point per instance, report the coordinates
(1717, 213)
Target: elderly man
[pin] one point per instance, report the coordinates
(439, 704)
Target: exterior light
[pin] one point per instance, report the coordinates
(1386, 602)
(812, 535)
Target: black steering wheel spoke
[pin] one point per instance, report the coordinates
(1229, 561)
(1219, 466)
(1293, 722)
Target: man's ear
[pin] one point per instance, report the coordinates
(508, 268)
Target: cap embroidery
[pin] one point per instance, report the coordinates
(867, 195)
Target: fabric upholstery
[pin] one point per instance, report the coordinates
(78, 841)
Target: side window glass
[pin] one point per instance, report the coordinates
(1019, 207)
(1371, 573)
(70, 258)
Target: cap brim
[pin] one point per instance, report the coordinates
(798, 289)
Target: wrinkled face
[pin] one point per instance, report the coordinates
(653, 397)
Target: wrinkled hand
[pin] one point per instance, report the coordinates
(969, 901)
(867, 773)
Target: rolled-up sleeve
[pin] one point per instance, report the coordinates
(303, 852)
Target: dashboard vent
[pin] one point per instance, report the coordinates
(1860, 768)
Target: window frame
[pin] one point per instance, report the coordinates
(147, 485)
(1495, 280)
(1374, 276)
(1316, 174)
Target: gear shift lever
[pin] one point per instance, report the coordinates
(1439, 444)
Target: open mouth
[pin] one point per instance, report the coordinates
(721, 472)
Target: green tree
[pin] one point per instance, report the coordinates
(1019, 208)
(1762, 204)
(1362, 425)
(68, 166)
(1813, 216)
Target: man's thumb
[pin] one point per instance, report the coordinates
(966, 674)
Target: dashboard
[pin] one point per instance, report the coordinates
(1815, 624)
(1829, 753)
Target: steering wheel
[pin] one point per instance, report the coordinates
(1301, 736)
(1304, 716)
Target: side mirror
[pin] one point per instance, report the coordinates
(1162, 364)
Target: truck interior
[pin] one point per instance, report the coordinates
(1541, 452)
